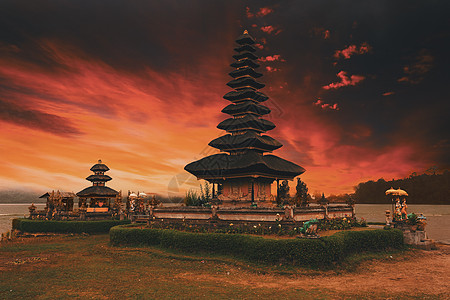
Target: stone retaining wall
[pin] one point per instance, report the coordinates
(252, 214)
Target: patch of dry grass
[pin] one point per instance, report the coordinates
(87, 267)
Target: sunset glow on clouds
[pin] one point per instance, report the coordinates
(271, 69)
(145, 94)
(352, 50)
(263, 11)
(345, 81)
(94, 112)
(323, 105)
(275, 57)
(269, 29)
(321, 32)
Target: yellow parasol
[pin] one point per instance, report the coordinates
(391, 191)
(396, 192)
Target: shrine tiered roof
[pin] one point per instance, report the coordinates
(220, 166)
(246, 107)
(98, 179)
(247, 122)
(97, 191)
(248, 140)
(99, 167)
(245, 94)
(245, 82)
(244, 71)
(245, 48)
(245, 143)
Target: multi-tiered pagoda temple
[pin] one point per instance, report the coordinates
(99, 194)
(242, 171)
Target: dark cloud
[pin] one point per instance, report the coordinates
(125, 35)
(415, 72)
(194, 39)
(37, 120)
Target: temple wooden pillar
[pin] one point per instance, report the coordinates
(213, 190)
(253, 190)
(278, 190)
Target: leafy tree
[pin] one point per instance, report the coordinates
(323, 200)
(422, 189)
(205, 193)
(192, 198)
(301, 196)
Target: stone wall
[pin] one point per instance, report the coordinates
(252, 214)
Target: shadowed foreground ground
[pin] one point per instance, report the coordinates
(87, 267)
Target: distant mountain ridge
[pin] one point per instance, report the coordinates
(422, 189)
(17, 196)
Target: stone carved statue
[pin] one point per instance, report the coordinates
(309, 228)
(301, 197)
(283, 191)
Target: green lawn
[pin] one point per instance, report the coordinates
(87, 267)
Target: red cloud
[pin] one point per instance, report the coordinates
(249, 14)
(112, 109)
(352, 50)
(263, 11)
(271, 69)
(270, 29)
(324, 33)
(345, 81)
(324, 105)
(275, 57)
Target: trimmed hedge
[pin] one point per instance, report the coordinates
(308, 252)
(102, 226)
(371, 240)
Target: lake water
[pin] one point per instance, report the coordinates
(438, 216)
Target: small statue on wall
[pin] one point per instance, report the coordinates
(398, 212)
(404, 207)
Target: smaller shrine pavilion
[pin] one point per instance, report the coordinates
(98, 195)
(59, 199)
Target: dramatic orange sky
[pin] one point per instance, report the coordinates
(357, 91)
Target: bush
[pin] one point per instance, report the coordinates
(371, 240)
(102, 226)
(306, 252)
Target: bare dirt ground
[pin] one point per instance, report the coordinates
(419, 271)
(413, 272)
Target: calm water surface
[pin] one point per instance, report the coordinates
(8, 212)
(438, 216)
